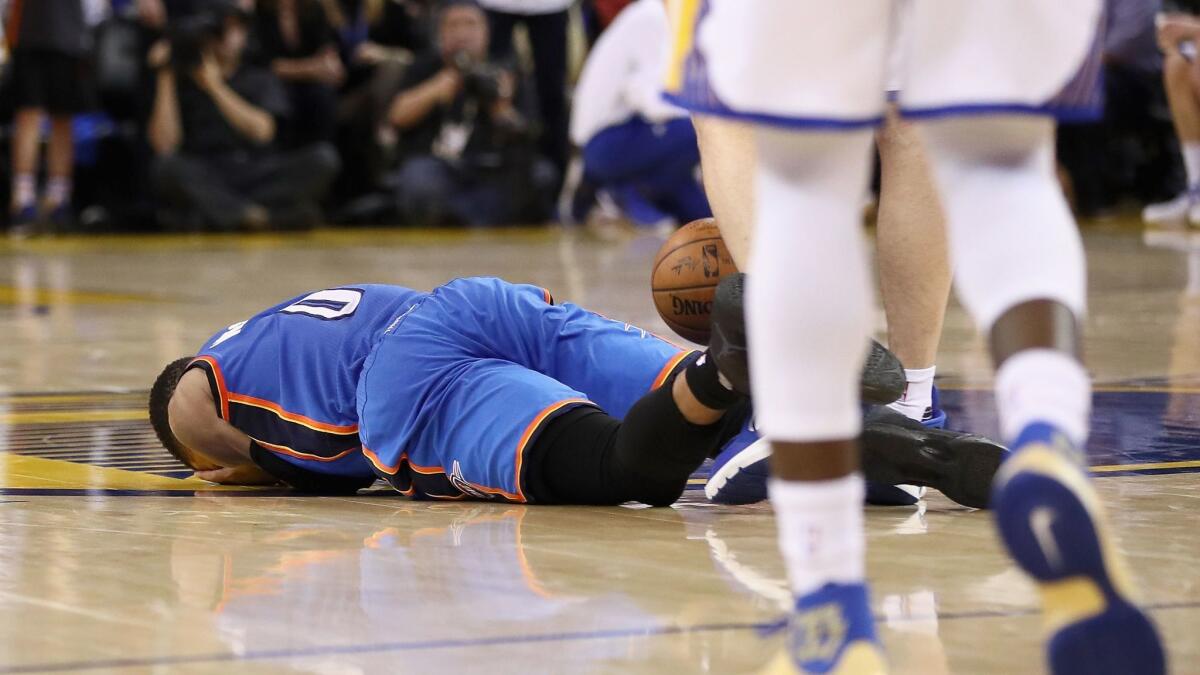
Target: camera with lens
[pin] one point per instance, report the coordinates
(480, 80)
(190, 33)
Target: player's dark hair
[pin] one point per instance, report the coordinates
(160, 398)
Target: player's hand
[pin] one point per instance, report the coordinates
(238, 475)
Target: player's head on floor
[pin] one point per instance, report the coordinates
(184, 418)
(160, 401)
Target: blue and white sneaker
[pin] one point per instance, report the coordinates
(935, 417)
(831, 631)
(1053, 525)
(739, 473)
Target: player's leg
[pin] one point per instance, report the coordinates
(1020, 271)
(809, 297)
(727, 166)
(1181, 85)
(589, 457)
(60, 164)
(914, 268)
(27, 125)
(806, 342)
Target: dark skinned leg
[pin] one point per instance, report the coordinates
(1037, 324)
(825, 460)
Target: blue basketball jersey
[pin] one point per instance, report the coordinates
(287, 376)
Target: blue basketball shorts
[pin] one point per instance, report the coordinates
(457, 390)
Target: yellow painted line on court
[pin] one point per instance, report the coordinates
(11, 295)
(320, 237)
(20, 471)
(70, 398)
(68, 416)
(1103, 388)
(1111, 468)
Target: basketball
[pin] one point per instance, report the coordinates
(686, 271)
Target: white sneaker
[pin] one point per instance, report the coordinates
(1193, 214)
(1174, 212)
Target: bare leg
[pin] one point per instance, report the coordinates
(914, 266)
(60, 162)
(1180, 81)
(727, 157)
(25, 154)
(60, 156)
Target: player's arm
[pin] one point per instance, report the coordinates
(221, 453)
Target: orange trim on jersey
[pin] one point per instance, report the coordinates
(525, 437)
(294, 418)
(222, 391)
(672, 364)
(283, 449)
(379, 464)
(549, 298)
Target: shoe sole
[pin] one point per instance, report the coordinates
(883, 380)
(1053, 525)
(715, 487)
(961, 466)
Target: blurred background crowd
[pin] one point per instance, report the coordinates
(250, 115)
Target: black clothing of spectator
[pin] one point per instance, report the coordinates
(49, 41)
(548, 41)
(461, 131)
(205, 129)
(214, 130)
(55, 25)
(313, 100)
(471, 158)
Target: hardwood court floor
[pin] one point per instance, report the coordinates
(113, 560)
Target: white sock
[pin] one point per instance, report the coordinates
(58, 191)
(820, 530)
(1191, 163)
(1044, 385)
(918, 393)
(24, 190)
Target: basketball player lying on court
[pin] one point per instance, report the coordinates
(489, 390)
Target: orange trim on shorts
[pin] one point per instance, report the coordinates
(549, 298)
(283, 449)
(222, 391)
(666, 371)
(379, 465)
(294, 418)
(525, 437)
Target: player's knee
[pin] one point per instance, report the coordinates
(1010, 143)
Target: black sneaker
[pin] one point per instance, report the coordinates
(898, 450)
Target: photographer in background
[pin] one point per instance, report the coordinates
(51, 75)
(212, 128)
(471, 157)
(300, 44)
